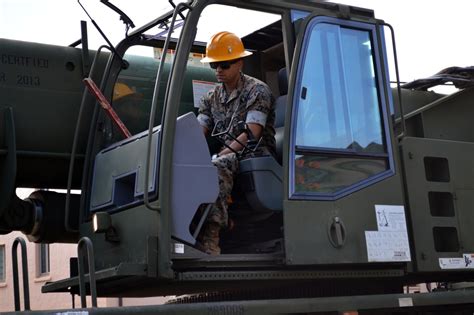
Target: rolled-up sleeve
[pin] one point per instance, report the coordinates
(259, 106)
(204, 121)
(204, 112)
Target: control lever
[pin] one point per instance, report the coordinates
(220, 136)
(252, 142)
(243, 127)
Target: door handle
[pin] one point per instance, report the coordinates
(337, 232)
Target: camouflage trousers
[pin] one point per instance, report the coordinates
(227, 166)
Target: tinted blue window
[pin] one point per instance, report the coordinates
(339, 139)
(297, 15)
(338, 104)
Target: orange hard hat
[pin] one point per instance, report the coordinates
(225, 46)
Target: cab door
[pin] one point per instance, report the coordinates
(341, 165)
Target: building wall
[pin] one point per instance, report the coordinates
(59, 269)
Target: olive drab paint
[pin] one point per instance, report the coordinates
(351, 204)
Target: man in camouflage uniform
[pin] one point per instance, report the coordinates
(239, 98)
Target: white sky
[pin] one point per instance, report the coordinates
(431, 34)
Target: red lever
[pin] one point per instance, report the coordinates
(94, 90)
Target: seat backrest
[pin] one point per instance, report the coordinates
(263, 188)
(280, 108)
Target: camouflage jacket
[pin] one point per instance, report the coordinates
(252, 102)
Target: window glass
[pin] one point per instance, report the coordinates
(338, 106)
(133, 92)
(2, 263)
(298, 15)
(325, 174)
(43, 260)
(339, 140)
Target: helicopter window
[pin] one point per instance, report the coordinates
(339, 137)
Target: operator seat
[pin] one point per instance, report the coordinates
(260, 178)
(280, 108)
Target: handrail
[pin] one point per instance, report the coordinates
(24, 265)
(154, 105)
(399, 91)
(74, 144)
(85, 241)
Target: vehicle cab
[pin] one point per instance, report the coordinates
(330, 203)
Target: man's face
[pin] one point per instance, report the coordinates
(228, 74)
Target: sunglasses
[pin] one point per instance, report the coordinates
(223, 64)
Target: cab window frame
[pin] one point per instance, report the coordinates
(378, 60)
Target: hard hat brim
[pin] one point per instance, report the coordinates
(245, 53)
